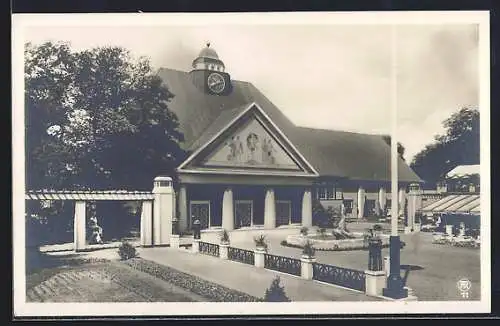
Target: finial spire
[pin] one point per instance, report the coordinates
(208, 44)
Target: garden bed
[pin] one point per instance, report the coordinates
(330, 243)
(213, 292)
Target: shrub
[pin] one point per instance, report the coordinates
(260, 241)
(377, 227)
(224, 237)
(276, 292)
(127, 251)
(308, 250)
(304, 230)
(322, 232)
(284, 243)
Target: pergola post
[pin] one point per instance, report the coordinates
(79, 226)
(147, 223)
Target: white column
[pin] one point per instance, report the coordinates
(182, 202)
(361, 202)
(228, 210)
(307, 208)
(414, 203)
(79, 226)
(147, 223)
(163, 210)
(269, 209)
(401, 198)
(382, 198)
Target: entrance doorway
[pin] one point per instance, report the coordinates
(283, 212)
(200, 210)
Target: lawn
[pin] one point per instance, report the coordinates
(70, 279)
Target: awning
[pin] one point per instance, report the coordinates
(455, 204)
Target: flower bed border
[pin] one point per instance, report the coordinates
(284, 243)
(212, 291)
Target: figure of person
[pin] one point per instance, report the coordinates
(252, 142)
(232, 149)
(265, 152)
(96, 231)
(239, 149)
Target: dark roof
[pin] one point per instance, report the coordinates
(331, 152)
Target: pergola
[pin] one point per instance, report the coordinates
(81, 197)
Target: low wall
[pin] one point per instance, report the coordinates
(319, 244)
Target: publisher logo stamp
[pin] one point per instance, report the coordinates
(464, 286)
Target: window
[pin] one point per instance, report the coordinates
(328, 193)
(283, 212)
(348, 206)
(321, 193)
(243, 213)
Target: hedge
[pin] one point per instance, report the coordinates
(213, 292)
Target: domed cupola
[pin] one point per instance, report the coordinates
(208, 60)
(208, 73)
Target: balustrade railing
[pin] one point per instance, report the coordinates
(209, 249)
(349, 278)
(282, 264)
(241, 255)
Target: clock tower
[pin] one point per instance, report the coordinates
(208, 73)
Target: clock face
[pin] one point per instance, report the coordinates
(216, 82)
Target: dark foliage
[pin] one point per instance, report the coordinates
(127, 251)
(458, 146)
(276, 292)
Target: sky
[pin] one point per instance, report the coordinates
(324, 76)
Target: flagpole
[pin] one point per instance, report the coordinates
(395, 287)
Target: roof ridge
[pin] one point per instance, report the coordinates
(340, 130)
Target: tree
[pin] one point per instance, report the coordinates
(401, 148)
(276, 292)
(96, 119)
(458, 146)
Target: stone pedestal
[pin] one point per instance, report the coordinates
(175, 241)
(375, 282)
(259, 257)
(224, 250)
(196, 246)
(306, 267)
(387, 265)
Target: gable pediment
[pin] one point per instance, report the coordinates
(251, 143)
(251, 146)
